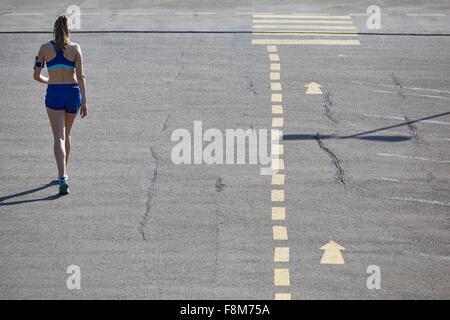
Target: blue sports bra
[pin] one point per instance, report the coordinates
(60, 61)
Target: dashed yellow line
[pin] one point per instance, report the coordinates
(281, 254)
(278, 179)
(277, 195)
(279, 213)
(277, 97)
(275, 86)
(282, 296)
(281, 277)
(279, 233)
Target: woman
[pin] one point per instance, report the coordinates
(66, 92)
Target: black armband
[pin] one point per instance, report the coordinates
(37, 64)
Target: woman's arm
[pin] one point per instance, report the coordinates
(81, 81)
(38, 65)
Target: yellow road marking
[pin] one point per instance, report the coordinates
(277, 122)
(277, 97)
(281, 254)
(277, 195)
(278, 179)
(279, 233)
(274, 57)
(278, 164)
(276, 134)
(332, 253)
(313, 88)
(288, 26)
(281, 277)
(275, 67)
(275, 86)
(307, 33)
(271, 49)
(306, 42)
(304, 21)
(282, 296)
(300, 16)
(277, 149)
(274, 76)
(278, 213)
(277, 109)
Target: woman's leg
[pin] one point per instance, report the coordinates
(69, 119)
(57, 119)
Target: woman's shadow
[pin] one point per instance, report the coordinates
(23, 193)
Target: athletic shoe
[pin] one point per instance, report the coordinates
(63, 185)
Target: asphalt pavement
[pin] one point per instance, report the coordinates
(364, 159)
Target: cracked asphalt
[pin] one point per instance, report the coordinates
(141, 227)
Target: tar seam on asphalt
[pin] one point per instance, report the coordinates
(166, 123)
(414, 132)
(334, 159)
(150, 193)
(251, 86)
(219, 184)
(397, 82)
(327, 106)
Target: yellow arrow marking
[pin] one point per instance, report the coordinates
(313, 88)
(332, 253)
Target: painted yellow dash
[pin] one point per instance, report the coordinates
(277, 149)
(278, 179)
(275, 86)
(277, 195)
(278, 213)
(277, 122)
(281, 277)
(282, 296)
(300, 16)
(274, 57)
(274, 76)
(306, 42)
(276, 134)
(278, 164)
(279, 233)
(272, 49)
(275, 67)
(281, 254)
(277, 97)
(304, 21)
(277, 109)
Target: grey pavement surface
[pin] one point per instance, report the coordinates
(142, 227)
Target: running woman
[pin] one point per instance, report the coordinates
(66, 92)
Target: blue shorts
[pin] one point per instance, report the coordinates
(65, 97)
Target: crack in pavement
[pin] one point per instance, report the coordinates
(327, 106)
(251, 87)
(166, 123)
(397, 82)
(150, 193)
(219, 184)
(334, 159)
(414, 132)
